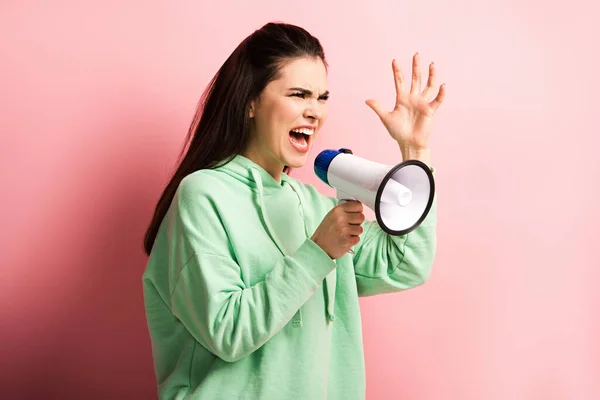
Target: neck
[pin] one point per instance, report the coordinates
(268, 163)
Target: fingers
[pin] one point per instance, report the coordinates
(353, 214)
(401, 96)
(430, 81)
(355, 230)
(377, 107)
(356, 218)
(352, 207)
(398, 79)
(416, 75)
(351, 230)
(439, 98)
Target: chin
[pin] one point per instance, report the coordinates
(294, 156)
(296, 163)
(296, 160)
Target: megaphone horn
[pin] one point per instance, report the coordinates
(401, 195)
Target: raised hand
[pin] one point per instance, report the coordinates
(409, 123)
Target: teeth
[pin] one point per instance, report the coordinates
(305, 131)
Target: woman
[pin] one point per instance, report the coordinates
(250, 289)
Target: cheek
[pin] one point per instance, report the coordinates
(272, 121)
(293, 111)
(286, 116)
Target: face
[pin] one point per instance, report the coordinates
(288, 115)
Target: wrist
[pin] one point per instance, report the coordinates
(411, 153)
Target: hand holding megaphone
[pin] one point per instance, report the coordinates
(340, 229)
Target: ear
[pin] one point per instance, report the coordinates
(251, 111)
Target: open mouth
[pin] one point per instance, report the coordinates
(300, 138)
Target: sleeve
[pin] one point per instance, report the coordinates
(384, 263)
(209, 296)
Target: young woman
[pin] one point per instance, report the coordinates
(250, 289)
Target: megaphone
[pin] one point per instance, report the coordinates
(401, 195)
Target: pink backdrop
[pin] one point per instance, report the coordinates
(96, 99)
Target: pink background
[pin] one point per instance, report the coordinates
(96, 99)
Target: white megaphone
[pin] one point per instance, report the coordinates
(401, 195)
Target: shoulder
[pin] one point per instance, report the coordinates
(205, 184)
(198, 194)
(193, 221)
(199, 182)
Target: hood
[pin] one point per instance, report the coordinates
(252, 175)
(262, 184)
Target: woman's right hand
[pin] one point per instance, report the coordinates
(340, 229)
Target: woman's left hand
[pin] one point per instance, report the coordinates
(409, 123)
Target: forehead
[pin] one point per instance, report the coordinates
(307, 73)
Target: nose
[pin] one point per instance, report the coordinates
(313, 110)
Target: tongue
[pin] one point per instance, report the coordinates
(298, 138)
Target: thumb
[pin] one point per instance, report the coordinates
(376, 106)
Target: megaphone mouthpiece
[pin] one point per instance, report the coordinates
(396, 193)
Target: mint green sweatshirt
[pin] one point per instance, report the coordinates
(241, 304)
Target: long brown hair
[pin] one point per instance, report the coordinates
(221, 126)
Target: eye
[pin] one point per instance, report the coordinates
(303, 96)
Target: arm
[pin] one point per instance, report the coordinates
(210, 297)
(384, 263)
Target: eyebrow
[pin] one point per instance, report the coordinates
(308, 92)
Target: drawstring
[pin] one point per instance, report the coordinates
(330, 280)
(261, 198)
(297, 321)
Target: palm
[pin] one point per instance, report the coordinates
(409, 123)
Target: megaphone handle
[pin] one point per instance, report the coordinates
(344, 198)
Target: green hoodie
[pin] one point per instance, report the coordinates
(241, 304)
